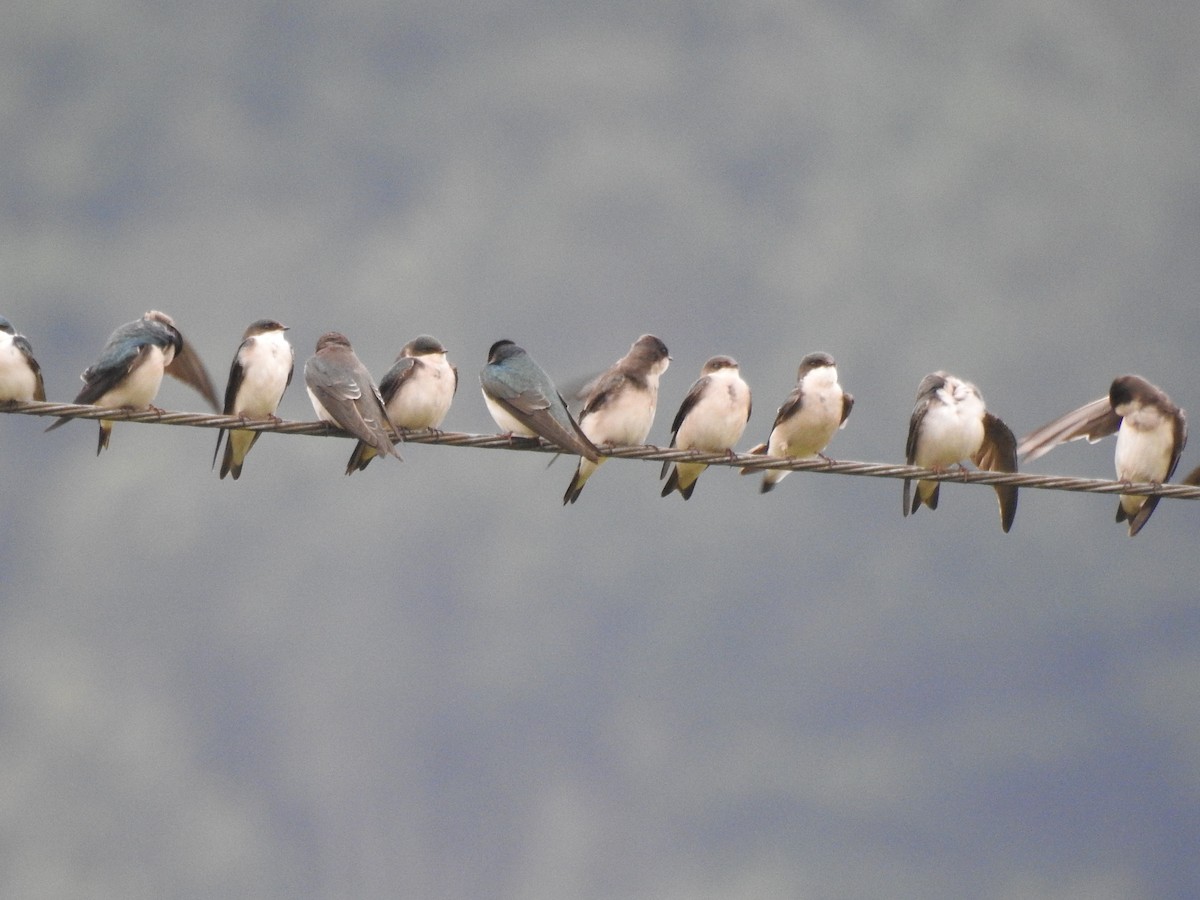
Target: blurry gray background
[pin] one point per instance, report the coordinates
(431, 679)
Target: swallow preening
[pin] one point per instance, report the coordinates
(1151, 433)
(949, 424)
(808, 419)
(131, 368)
(261, 371)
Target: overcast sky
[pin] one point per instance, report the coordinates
(432, 680)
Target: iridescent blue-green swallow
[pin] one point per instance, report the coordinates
(1151, 433)
(130, 369)
(523, 400)
(261, 371)
(20, 374)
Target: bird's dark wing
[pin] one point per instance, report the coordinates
(998, 453)
(689, 403)
(538, 416)
(791, 406)
(914, 429)
(114, 365)
(910, 451)
(22, 344)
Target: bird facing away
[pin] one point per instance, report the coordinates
(131, 366)
(343, 393)
(523, 400)
(261, 371)
(1151, 433)
(20, 374)
(808, 419)
(950, 423)
(619, 407)
(417, 391)
(711, 419)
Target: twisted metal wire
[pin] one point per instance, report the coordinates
(647, 452)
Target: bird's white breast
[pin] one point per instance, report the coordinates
(625, 419)
(952, 429)
(809, 430)
(140, 387)
(266, 360)
(424, 400)
(718, 419)
(17, 381)
(1145, 442)
(505, 420)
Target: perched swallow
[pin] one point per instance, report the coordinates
(949, 424)
(260, 373)
(1151, 432)
(130, 369)
(712, 418)
(619, 407)
(417, 392)
(523, 400)
(806, 422)
(343, 393)
(20, 374)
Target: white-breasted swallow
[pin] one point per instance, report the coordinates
(261, 371)
(808, 419)
(20, 374)
(417, 392)
(949, 424)
(711, 418)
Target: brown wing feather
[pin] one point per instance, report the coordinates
(1091, 421)
(998, 453)
(187, 367)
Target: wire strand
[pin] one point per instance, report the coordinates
(755, 462)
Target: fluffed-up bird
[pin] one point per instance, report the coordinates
(949, 424)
